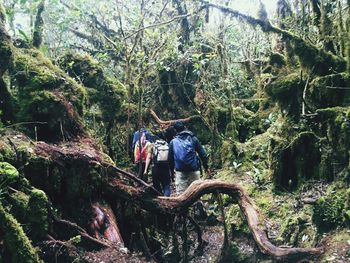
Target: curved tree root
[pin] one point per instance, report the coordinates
(199, 188)
(180, 204)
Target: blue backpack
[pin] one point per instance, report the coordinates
(185, 154)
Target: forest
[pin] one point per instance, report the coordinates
(264, 85)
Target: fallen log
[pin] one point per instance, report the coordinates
(144, 199)
(180, 204)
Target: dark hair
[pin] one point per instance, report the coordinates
(179, 126)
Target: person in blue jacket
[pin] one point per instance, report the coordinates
(183, 150)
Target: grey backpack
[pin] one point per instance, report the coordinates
(161, 152)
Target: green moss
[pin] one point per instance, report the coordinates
(35, 72)
(19, 205)
(335, 126)
(286, 91)
(291, 231)
(236, 220)
(37, 214)
(16, 243)
(329, 209)
(5, 151)
(105, 91)
(8, 174)
(244, 124)
(59, 120)
(328, 91)
(6, 48)
(228, 152)
(6, 104)
(47, 95)
(317, 60)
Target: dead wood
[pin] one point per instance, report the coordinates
(166, 124)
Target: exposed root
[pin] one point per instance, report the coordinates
(104, 224)
(180, 204)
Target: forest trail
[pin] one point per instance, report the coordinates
(264, 88)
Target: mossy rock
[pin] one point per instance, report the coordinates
(19, 205)
(329, 91)
(35, 72)
(18, 247)
(9, 176)
(295, 162)
(286, 91)
(46, 94)
(103, 90)
(293, 229)
(58, 119)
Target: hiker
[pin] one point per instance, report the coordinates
(160, 168)
(136, 136)
(183, 157)
(142, 149)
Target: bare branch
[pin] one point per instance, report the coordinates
(165, 124)
(158, 24)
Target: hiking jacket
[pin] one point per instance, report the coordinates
(197, 146)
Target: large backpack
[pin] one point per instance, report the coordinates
(161, 152)
(185, 154)
(141, 155)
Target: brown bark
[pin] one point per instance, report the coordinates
(103, 224)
